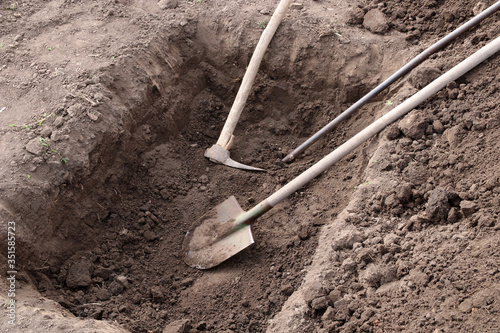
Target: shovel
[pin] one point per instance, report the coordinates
(219, 153)
(225, 230)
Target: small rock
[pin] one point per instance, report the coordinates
(414, 125)
(178, 326)
(319, 303)
(116, 288)
(149, 235)
(35, 146)
(385, 165)
(165, 194)
(296, 6)
(58, 136)
(392, 133)
(347, 240)
(103, 294)
(356, 16)
(126, 308)
(287, 290)
(451, 85)
(367, 314)
(75, 109)
(168, 4)
(418, 278)
(98, 97)
(377, 275)
(187, 282)
(485, 221)
(453, 135)
(46, 132)
(392, 239)
(204, 179)
(103, 273)
(418, 221)
(468, 207)
(329, 314)
(365, 255)
(438, 126)
(402, 267)
(348, 265)
(391, 201)
(94, 115)
(371, 276)
(334, 296)
(404, 193)
(400, 12)
(452, 160)
(466, 306)
(44, 283)
(454, 215)
(343, 303)
(375, 21)
(79, 275)
(303, 232)
(437, 205)
(59, 121)
(123, 280)
(315, 290)
(422, 76)
(453, 93)
(157, 294)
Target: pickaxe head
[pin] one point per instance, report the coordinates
(220, 155)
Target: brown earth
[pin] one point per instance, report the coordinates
(107, 108)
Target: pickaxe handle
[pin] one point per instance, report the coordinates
(225, 138)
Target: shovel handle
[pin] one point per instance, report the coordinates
(226, 135)
(378, 125)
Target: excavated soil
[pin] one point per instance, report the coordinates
(107, 107)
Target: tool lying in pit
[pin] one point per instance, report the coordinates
(219, 153)
(405, 69)
(225, 230)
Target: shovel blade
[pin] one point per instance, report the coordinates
(216, 238)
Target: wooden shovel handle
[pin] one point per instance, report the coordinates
(249, 77)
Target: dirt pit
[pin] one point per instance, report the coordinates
(108, 110)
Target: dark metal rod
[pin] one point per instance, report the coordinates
(405, 69)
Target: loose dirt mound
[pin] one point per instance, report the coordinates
(109, 107)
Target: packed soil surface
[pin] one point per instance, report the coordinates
(106, 109)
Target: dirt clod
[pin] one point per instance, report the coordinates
(79, 275)
(414, 125)
(438, 206)
(375, 21)
(468, 207)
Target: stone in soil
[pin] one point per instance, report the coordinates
(375, 21)
(438, 206)
(79, 275)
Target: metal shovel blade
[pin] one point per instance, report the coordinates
(220, 155)
(216, 237)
